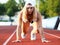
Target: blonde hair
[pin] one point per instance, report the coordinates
(24, 13)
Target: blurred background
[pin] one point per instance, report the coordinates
(50, 10)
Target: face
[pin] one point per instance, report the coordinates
(30, 9)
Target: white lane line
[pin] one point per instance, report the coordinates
(5, 43)
(52, 35)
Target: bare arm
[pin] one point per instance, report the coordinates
(39, 19)
(40, 28)
(19, 22)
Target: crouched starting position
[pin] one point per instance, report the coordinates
(28, 15)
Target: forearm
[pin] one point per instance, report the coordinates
(41, 31)
(19, 21)
(17, 32)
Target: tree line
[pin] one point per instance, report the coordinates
(48, 8)
(10, 8)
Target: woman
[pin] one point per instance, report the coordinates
(28, 15)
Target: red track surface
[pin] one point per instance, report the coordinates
(6, 31)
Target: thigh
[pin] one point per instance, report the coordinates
(34, 25)
(25, 27)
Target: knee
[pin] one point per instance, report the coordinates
(33, 31)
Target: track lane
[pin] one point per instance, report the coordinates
(5, 32)
(53, 40)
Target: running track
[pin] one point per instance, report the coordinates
(7, 35)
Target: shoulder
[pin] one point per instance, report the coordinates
(20, 14)
(39, 14)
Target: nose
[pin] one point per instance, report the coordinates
(29, 9)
